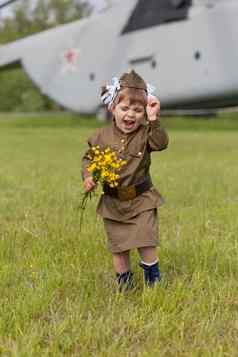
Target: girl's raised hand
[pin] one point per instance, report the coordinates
(153, 108)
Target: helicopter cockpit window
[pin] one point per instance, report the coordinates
(148, 13)
(177, 3)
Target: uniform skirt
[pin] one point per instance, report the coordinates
(136, 232)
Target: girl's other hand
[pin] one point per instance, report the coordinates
(153, 108)
(89, 184)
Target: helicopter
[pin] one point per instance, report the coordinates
(187, 49)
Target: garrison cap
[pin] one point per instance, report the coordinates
(132, 80)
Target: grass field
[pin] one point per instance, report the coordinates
(58, 294)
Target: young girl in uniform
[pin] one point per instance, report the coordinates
(129, 211)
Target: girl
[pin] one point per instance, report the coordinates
(129, 211)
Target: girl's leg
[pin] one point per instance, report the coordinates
(150, 265)
(121, 263)
(148, 254)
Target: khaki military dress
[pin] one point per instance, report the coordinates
(131, 223)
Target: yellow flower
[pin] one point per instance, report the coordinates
(104, 165)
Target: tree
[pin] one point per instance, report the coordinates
(16, 90)
(27, 19)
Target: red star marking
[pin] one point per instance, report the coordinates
(71, 56)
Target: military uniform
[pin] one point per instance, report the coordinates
(130, 222)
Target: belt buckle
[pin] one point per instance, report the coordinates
(126, 193)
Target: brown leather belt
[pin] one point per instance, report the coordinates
(128, 192)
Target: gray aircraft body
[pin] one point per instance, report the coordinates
(188, 49)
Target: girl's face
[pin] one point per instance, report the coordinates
(128, 117)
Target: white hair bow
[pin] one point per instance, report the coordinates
(111, 93)
(150, 90)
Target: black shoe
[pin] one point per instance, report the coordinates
(125, 281)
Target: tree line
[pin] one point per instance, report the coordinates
(17, 92)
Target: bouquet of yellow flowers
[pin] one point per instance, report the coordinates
(104, 166)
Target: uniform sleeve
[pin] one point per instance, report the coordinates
(92, 141)
(157, 138)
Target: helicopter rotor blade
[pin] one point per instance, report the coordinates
(6, 3)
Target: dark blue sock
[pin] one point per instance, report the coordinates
(151, 273)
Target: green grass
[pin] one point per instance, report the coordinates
(58, 292)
